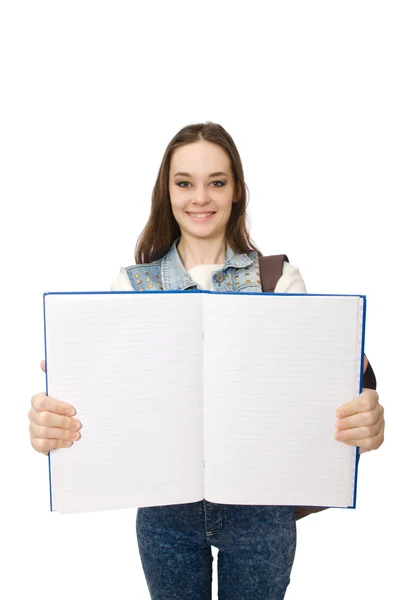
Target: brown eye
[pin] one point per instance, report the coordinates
(221, 182)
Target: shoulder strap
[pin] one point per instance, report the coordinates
(271, 269)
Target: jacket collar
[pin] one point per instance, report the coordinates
(175, 276)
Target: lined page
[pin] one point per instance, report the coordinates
(131, 365)
(276, 367)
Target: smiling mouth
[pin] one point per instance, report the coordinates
(200, 216)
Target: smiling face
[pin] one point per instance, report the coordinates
(201, 181)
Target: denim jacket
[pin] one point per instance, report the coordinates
(240, 272)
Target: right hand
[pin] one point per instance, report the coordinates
(50, 426)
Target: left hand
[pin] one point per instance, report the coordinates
(361, 421)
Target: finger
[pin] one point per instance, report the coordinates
(370, 443)
(366, 401)
(365, 363)
(51, 419)
(43, 402)
(44, 445)
(361, 419)
(42, 365)
(55, 433)
(358, 433)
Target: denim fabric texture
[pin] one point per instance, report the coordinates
(256, 544)
(240, 272)
(256, 550)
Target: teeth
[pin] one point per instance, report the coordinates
(200, 215)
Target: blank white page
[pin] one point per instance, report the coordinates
(276, 367)
(131, 365)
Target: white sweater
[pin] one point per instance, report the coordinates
(290, 282)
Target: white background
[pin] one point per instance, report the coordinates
(91, 94)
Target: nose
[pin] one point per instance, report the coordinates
(201, 195)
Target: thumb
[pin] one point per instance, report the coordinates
(42, 365)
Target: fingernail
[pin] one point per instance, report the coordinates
(340, 413)
(70, 411)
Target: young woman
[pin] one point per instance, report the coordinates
(196, 237)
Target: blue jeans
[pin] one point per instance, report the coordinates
(256, 550)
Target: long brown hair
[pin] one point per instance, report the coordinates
(162, 229)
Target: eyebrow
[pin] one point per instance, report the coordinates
(211, 175)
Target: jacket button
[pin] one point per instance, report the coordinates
(220, 277)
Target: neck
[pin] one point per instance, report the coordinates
(196, 251)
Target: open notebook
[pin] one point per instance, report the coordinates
(185, 395)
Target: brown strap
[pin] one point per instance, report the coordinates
(304, 511)
(369, 379)
(271, 269)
